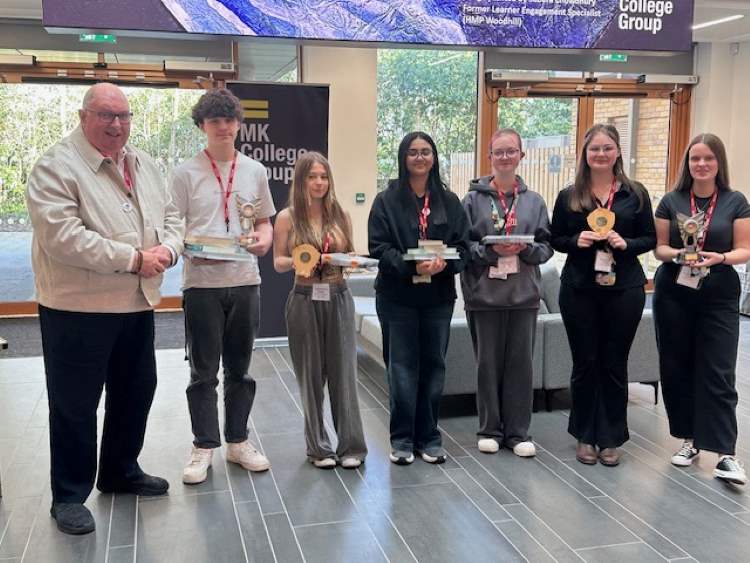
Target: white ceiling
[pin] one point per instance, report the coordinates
(708, 10)
(705, 10)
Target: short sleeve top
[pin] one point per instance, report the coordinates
(730, 205)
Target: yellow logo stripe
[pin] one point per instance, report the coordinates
(255, 114)
(255, 109)
(255, 104)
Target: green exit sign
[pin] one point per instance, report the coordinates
(97, 38)
(613, 58)
(359, 197)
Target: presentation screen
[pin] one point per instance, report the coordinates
(646, 25)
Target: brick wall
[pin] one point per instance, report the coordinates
(650, 147)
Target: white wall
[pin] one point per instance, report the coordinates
(720, 103)
(352, 134)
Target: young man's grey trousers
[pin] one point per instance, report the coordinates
(220, 324)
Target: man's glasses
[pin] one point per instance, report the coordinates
(109, 117)
(414, 153)
(509, 153)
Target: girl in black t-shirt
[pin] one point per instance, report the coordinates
(696, 305)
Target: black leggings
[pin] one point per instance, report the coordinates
(697, 332)
(601, 325)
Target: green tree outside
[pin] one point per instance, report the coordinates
(427, 90)
(33, 117)
(537, 117)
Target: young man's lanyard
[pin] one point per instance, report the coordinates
(226, 193)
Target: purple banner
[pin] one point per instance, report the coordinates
(644, 25)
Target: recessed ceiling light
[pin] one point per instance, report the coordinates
(717, 22)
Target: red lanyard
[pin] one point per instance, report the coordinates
(709, 215)
(422, 215)
(128, 179)
(226, 193)
(612, 191)
(326, 243)
(510, 214)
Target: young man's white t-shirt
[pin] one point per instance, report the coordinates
(200, 199)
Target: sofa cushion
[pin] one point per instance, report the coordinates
(370, 333)
(643, 361)
(558, 363)
(550, 287)
(363, 307)
(362, 285)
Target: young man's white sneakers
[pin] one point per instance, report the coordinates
(196, 470)
(488, 446)
(246, 455)
(525, 449)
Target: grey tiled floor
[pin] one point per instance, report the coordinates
(474, 508)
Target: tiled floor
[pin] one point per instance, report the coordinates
(474, 508)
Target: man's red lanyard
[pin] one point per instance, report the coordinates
(611, 199)
(510, 214)
(128, 179)
(709, 215)
(226, 193)
(422, 215)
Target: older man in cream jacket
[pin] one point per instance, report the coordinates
(105, 230)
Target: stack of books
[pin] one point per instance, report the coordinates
(345, 260)
(429, 249)
(215, 248)
(508, 239)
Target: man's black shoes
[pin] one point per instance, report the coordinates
(144, 485)
(72, 518)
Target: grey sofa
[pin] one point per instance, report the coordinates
(552, 362)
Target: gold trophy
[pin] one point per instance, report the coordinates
(601, 220)
(305, 258)
(691, 232)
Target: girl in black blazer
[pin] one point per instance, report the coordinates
(602, 290)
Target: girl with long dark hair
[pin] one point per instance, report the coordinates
(414, 299)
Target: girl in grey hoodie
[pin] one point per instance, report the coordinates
(501, 288)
